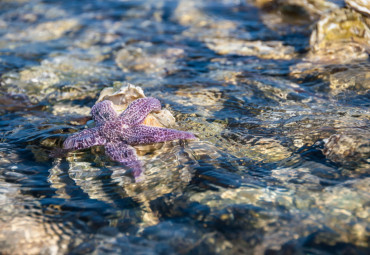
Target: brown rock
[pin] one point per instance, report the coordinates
(362, 6)
(348, 148)
(125, 94)
(341, 37)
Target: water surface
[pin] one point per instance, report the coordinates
(281, 165)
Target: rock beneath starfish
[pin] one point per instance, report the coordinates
(122, 94)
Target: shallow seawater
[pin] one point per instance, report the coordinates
(281, 165)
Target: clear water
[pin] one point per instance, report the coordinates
(267, 176)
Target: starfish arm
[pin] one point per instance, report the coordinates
(137, 111)
(142, 134)
(83, 139)
(126, 155)
(103, 111)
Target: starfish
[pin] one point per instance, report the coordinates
(117, 133)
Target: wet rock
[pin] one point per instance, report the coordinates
(313, 8)
(214, 199)
(234, 218)
(201, 97)
(267, 50)
(325, 239)
(168, 170)
(58, 78)
(27, 231)
(243, 195)
(303, 178)
(200, 102)
(340, 38)
(346, 208)
(122, 244)
(218, 177)
(12, 102)
(293, 16)
(145, 57)
(181, 238)
(190, 13)
(78, 112)
(27, 234)
(335, 204)
(348, 148)
(228, 36)
(342, 28)
(201, 24)
(227, 76)
(257, 148)
(355, 78)
(46, 31)
(170, 207)
(362, 6)
(205, 130)
(268, 150)
(39, 77)
(306, 126)
(122, 94)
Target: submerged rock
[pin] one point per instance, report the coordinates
(267, 50)
(145, 57)
(349, 148)
(26, 227)
(169, 169)
(12, 102)
(60, 77)
(46, 31)
(354, 77)
(25, 233)
(190, 13)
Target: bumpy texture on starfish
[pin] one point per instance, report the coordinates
(117, 133)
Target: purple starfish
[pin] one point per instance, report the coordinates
(118, 133)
